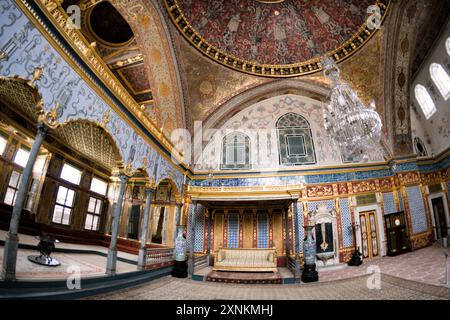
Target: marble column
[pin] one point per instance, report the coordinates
(296, 240)
(208, 240)
(112, 251)
(287, 235)
(176, 222)
(12, 238)
(144, 227)
(192, 243)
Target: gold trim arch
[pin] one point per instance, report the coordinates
(21, 93)
(90, 139)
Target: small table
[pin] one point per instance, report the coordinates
(46, 246)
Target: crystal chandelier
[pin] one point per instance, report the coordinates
(353, 127)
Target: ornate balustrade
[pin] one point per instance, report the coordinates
(159, 257)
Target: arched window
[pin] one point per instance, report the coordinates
(295, 140)
(236, 151)
(440, 79)
(447, 45)
(425, 101)
(419, 147)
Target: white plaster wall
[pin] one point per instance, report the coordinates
(259, 120)
(437, 128)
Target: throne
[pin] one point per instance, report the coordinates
(326, 233)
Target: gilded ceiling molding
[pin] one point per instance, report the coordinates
(58, 16)
(341, 53)
(152, 37)
(401, 36)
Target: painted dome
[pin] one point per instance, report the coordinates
(249, 33)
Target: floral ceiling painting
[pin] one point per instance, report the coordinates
(282, 33)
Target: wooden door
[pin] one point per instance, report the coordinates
(369, 234)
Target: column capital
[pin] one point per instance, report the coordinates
(50, 118)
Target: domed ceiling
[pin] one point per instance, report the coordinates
(274, 38)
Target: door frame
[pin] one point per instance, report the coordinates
(432, 196)
(382, 244)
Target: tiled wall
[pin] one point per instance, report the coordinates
(300, 226)
(346, 222)
(199, 217)
(389, 203)
(400, 201)
(417, 209)
(263, 230)
(233, 230)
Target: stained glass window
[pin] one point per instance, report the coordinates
(236, 151)
(295, 142)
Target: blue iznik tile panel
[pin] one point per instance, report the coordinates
(199, 217)
(400, 201)
(417, 209)
(389, 203)
(294, 179)
(27, 49)
(346, 223)
(300, 230)
(263, 230)
(443, 164)
(233, 230)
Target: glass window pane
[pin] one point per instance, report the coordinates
(240, 154)
(39, 164)
(441, 79)
(88, 223)
(447, 45)
(99, 186)
(98, 207)
(15, 179)
(71, 174)
(69, 199)
(3, 143)
(425, 101)
(21, 157)
(61, 197)
(95, 223)
(91, 206)
(66, 216)
(296, 145)
(9, 196)
(57, 214)
(29, 203)
(230, 154)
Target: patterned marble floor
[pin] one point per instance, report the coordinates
(392, 288)
(89, 265)
(425, 265)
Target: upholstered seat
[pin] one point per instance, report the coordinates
(246, 259)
